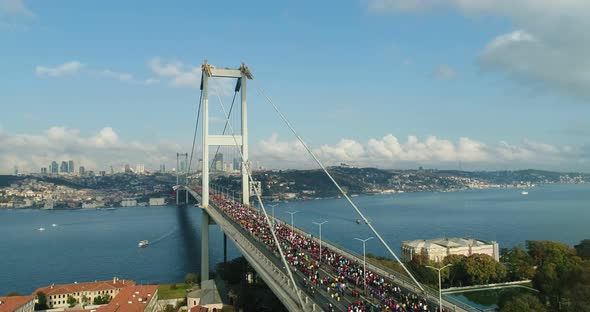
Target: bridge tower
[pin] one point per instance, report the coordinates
(241, 75)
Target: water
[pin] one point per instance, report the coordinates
(98, 244)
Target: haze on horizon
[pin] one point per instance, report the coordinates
(473, 85)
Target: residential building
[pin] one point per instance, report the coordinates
(218, 162)
(53, 167)
(17, 304)
(236, 164)
(43, 170)
(82, 170)
(57, 295)
(437, 249)
(71, 166)
(133, 299)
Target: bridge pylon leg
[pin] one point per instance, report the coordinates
(204, 246)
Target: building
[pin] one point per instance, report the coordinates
(139, 169)
(17, 304)
(133, 299)
(218, 162)
(85, 293)
(53, 168)
(127, 168)
(64, 167)
(207, 298)
(200, 164)
(236, 164)
(82, 170)
(71, 166)
(157, 201)
(43, 170)
(437, 249)
(128, 202)
(163, 168)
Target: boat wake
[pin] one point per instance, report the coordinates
(163, 237)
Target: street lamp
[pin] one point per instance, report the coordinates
(439, 283)
(364, 261)
(292, 213)
(273, 212)
(320, 225)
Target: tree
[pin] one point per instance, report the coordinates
(576, 292)
(85, 299)
(482, 269)
(191, 278)
(583, 249)
(13, 293)
(41, 301)
(104, 299)
(523, 303)
(454, 275)
(518, 263)
(169, 308)
(71, 301)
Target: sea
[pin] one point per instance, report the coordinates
(89, 245)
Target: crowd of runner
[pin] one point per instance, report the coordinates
(339, 277)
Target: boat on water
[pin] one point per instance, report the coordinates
(524, 193)
(144, 243)
(54, 225)
(358, 221)
(41, 229)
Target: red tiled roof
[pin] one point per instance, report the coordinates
(9, 304)
(80, 287)
(139, 296)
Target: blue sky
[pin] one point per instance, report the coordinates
(114, 82)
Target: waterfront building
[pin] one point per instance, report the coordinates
(128, 202)
(57, 295)
(157, 201)
(437, 249)
(71, 166)
(17, 304)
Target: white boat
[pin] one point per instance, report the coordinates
(54, 225)
(524, 193)
(144, 243)
(41, 229)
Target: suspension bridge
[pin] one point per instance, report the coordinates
(306, 273)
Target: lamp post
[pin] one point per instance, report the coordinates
(292, 228)
(320, 225)
(439, 283)
(364, 261)
(273, 212)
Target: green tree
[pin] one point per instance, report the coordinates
(523, 303)
(71, 301)
(85, 299)
(191, 278)
(169, 308)
(583, 249)
(482, 269)
(519, 264)
(576, 292)
(13, 293)
(104, 299)
(41, 301)
(454, 276)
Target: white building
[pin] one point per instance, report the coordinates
(128, 203)
(437, 249)
(157, 201)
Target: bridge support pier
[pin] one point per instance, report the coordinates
(224, 248)
(205, 245)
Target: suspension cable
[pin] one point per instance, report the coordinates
(271, 227)
(286, 121)
(224, 128)
(195, 135)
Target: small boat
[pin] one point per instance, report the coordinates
(54, 225)
(144, 243)
(358, 221)
(524, 193)
(41, 229)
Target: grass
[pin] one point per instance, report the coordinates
(385, 262)
(166, 292)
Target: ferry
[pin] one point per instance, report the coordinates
(144, 243)
(41, 229)
(524, 193)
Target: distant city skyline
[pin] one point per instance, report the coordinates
(473, 85)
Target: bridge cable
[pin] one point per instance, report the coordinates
(261, 91)
(272, 230)
(224, 129)
(194, 136)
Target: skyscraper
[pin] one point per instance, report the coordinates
(43, 170)
(236, 166)
(53, 168)
(82, 170)
(71, 166)
(218, 162)
(63, 168)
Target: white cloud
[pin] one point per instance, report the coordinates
(548, 47)
(178, 74)
(444, 72)
(65, 69)
(96, 151)
(390, 152)
(125, 77)
(14, 7)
